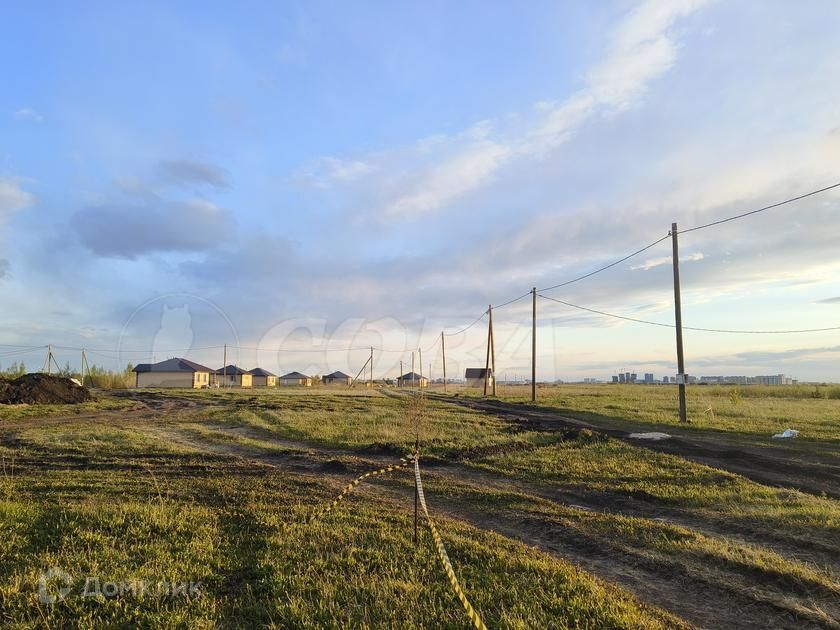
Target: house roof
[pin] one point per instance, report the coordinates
(172, 365)
(232, 370)
(411, 376)
(260, 372)
(337, 374)
(478, 372)
(293, 376)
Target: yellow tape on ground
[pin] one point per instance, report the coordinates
(475, 618)
(404, 462)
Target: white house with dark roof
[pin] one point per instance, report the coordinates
(337, 378)
(232, 376)
(262, 378)
(475, 377)
(412, 379)
(295, 378)
(175, 372)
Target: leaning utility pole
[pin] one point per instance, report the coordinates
(681, 377)
(370, 382)
(534, 345)
(443, 352)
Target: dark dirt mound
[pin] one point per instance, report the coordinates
(42, 389)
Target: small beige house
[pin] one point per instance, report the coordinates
(262, 378)
(175, 372)
(337, 378)
(412, 379)
(475, 377)
(232, 376)
(295, 378)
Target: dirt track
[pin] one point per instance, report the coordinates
(771, 463)
(699, 599)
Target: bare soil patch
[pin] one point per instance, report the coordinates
(43, 389)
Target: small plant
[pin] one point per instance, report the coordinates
(735, 396)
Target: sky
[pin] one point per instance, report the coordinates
(299, 179)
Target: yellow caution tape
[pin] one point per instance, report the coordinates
(475, 618)
(404, 461)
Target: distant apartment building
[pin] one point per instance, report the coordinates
(629, 378)
(775, 379)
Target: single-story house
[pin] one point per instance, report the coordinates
(337, 378)
(232, 376)
(296, 378)
(172, 373)
(475, 377)
(262, 378)
(412, 379)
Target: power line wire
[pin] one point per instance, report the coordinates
(147, 350)
(716, 330)
(605, 267)
(770, 207)
(466, 328)
(503, 304)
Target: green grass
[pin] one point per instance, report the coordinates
(611, 468)
(241, 532)
(103, 403)
(146, 497)
(370, 420)
(755, 409)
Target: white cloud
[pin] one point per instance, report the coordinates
(347, 171)
(13, 198)
(440, 170)
(666, 260)
(327, 172)
(27, 113)
(443, 184)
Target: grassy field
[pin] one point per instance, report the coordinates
(545, 528)
(755, 409)
(135, 510)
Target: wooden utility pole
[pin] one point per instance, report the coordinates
(400, 379)
(534, 345)
(681, 377)
(420, 382)
(224, 367)
(412, 370)
(370, 382)
(443, 352)
(489, 338)
(492, 352)
(85, 364)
